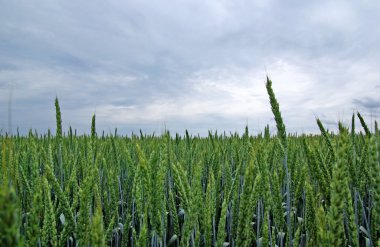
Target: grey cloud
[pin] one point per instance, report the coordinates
(330, 122)
(141, 53)
(368, 103)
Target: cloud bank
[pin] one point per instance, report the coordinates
(196, 65)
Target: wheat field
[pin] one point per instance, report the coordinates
(272, 189)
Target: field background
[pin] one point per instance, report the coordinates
(170, 190)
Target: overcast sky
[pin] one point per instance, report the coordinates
(196, 65)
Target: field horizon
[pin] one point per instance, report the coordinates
(280, 189)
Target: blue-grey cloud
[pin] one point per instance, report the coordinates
(187, 64)
(368, 103)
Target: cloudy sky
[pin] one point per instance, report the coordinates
(196, 65)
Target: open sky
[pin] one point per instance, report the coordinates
(196, 65)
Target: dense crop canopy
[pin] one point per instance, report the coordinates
(264, 190)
